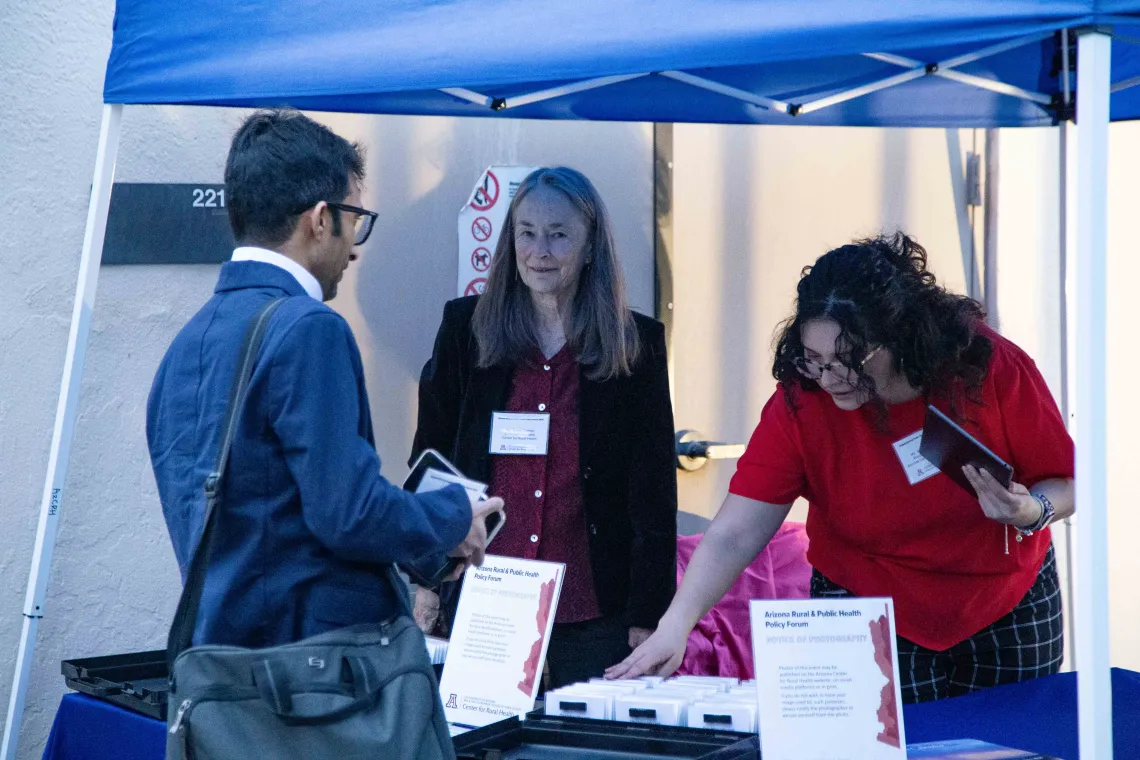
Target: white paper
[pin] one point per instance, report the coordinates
(519, 433)
(827, 679)
(917, 467)
(498, 642)
(434, 480)
(480, 222)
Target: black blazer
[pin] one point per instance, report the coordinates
(626, 456)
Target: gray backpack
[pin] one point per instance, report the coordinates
(368, 691)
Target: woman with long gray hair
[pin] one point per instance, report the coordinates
(552, 338)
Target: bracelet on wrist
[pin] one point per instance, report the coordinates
(1047, 512)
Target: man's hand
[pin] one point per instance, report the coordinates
(1012, 506)
(426, 611)
(472, 548)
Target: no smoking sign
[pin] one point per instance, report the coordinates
(486, 194)
(476, 287)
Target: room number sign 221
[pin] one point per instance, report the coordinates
(204, 198)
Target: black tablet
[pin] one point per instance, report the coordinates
(950, 448)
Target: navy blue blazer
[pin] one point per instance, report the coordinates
(308, 523)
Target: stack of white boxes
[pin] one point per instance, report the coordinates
(437, 649)
(696, 701)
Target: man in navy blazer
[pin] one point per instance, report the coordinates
(307, 524)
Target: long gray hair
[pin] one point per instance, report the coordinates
(601, 330)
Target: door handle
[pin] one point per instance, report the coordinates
(693, 451)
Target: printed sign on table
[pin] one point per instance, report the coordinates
(480, 222)
(827, 678)
(499, 639)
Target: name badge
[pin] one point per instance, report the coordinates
(918, 468)
(520, 433)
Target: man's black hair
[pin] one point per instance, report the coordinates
(281, 162)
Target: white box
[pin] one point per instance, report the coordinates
(635, 685)
(613, 687)
(647, 708)
(693, 691)
(724, 683)
(724, 715)
(580, 704)
(651, 680)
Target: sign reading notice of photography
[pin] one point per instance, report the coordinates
(827, 677)
(499, 639)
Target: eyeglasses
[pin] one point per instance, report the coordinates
(365, 220)
(814, 370)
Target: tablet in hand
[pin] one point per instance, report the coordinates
(947, 446)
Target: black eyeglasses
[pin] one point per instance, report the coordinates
(365, 220)
(814, 370)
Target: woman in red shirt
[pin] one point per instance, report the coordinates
(874, 340)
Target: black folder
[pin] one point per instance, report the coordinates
(949, 448)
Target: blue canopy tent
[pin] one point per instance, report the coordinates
(906, 63)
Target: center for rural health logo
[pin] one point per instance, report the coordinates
(452, 703)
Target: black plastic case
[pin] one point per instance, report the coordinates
(542, 737)
(138, 681)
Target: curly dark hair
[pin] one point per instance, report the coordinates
(880, 293)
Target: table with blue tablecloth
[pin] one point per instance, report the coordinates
(1039, 715)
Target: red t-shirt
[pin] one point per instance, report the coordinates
(545, 516)
(929, 546)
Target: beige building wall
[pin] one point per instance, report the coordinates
(754, 205)
(114, 583)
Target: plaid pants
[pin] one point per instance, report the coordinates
(1026, 643)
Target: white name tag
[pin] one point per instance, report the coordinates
(520, 433)
(918, 468)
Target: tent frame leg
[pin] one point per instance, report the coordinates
(65, 417)
(1094, 692)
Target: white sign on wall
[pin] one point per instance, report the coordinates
(480, 222)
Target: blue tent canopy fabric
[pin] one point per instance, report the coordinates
(400, 55)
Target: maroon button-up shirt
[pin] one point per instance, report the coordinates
(545, 517)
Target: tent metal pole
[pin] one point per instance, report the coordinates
(995, 86)
(1094, 692)
(858, 92)
(65, 416)
(990, 229)
(992, 50)
(724, 89)
(567, 89)
(469, 95)
(1063, 301)
(958, 180)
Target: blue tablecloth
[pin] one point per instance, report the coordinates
(1038, 715)
(88, 729)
